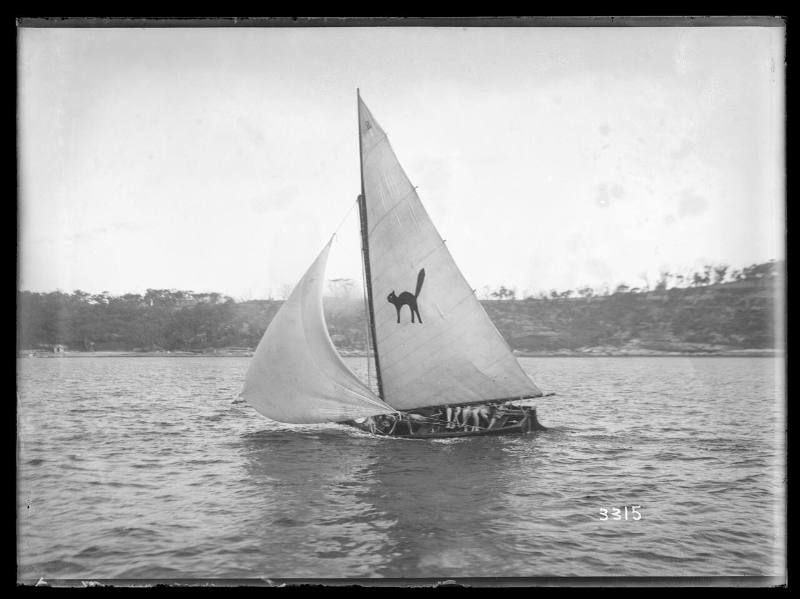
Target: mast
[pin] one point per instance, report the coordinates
(362, 212)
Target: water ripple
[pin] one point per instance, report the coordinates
(156, 469)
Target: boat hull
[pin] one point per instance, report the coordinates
(528, 424)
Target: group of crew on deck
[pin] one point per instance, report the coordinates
(441, 419)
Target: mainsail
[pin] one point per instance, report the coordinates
(455, 354)
(296, 374)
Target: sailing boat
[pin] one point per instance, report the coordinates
(437, 354)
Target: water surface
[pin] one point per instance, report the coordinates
(151, 468)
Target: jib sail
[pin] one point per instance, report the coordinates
(296, 375)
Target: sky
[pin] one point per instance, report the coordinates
(222, 159)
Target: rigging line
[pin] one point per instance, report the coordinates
(363, 280)
(366, 306)
(336, 230)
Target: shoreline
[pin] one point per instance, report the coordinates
(588, 353)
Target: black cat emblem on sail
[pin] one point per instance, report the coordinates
(408, 299)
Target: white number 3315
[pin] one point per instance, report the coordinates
(625, 513)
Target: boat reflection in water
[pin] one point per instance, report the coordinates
(351, 505)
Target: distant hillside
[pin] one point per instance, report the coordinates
(732, 315)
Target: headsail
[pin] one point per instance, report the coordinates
(455, 354)
(296, 374)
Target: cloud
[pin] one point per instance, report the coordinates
(126, 227)
(602, 195)
(113, 228)
(682, 151)
(605, 192)
(253, 134)
(274, 200)
(691, 204)
(598, 269)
